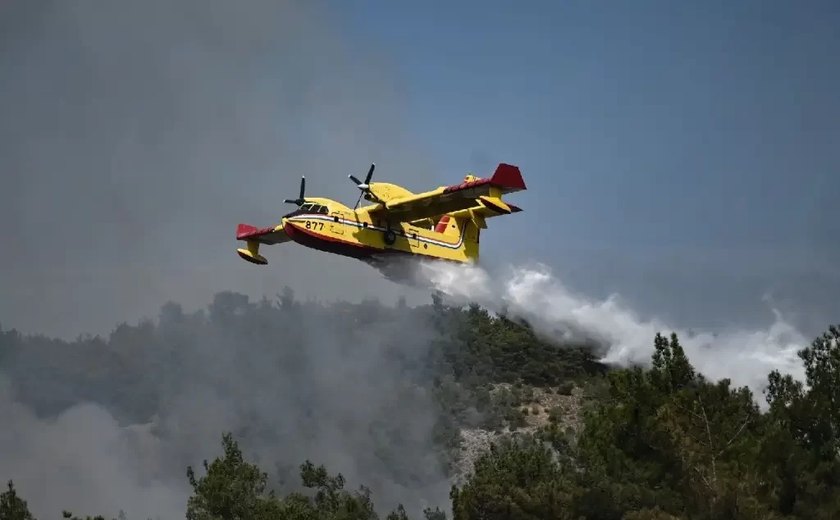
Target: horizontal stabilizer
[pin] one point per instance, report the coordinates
(490, 207)
(495, 204)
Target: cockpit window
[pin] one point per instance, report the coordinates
(309, 208)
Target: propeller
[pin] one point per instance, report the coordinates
(364, 187)
(300, 200)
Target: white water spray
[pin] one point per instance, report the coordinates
(534, 294)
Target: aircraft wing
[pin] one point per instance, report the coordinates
(254, 236)
(482, 193)
(267, 235)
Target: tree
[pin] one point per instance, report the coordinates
(434, 514)
(671, 370)
(13, 507)
(799, 454)
(70, 516)
(669, 441)
(331, 500)
(231, 489)
(518, 479)
(713, 431)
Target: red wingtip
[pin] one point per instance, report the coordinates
(244, 231)
(508, 177)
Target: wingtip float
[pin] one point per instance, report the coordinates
(444, 223)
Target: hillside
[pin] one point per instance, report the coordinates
(311, 400)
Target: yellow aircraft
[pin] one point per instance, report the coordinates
(442, 224)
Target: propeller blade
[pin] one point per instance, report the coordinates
(302, 187)
(364, 187)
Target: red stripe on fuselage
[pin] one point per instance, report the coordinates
(328, 244)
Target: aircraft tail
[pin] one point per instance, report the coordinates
(443, 225)
(463, 230)
(507, 178)
(487, 207)
(465, 225)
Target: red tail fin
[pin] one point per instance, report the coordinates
(508, 178)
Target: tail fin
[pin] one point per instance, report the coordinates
(508, 178)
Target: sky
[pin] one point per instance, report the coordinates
(682, 155)
(674, 151)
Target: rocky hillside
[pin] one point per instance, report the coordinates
(557, 409)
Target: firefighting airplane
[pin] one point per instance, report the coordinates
(442, 224)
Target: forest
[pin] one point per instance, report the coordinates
(307, 410)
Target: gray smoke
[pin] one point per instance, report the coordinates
(84, 461)
(136, 135)
(300, 382)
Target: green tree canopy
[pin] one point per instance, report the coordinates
(12, 507)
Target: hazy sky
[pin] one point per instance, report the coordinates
(684, 155)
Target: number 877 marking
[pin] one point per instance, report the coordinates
(315, 226)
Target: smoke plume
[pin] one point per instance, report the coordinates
(534, 294)
(136, 135)
(101, 426)
(84, 461)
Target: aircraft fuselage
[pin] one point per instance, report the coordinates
(356, 235)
